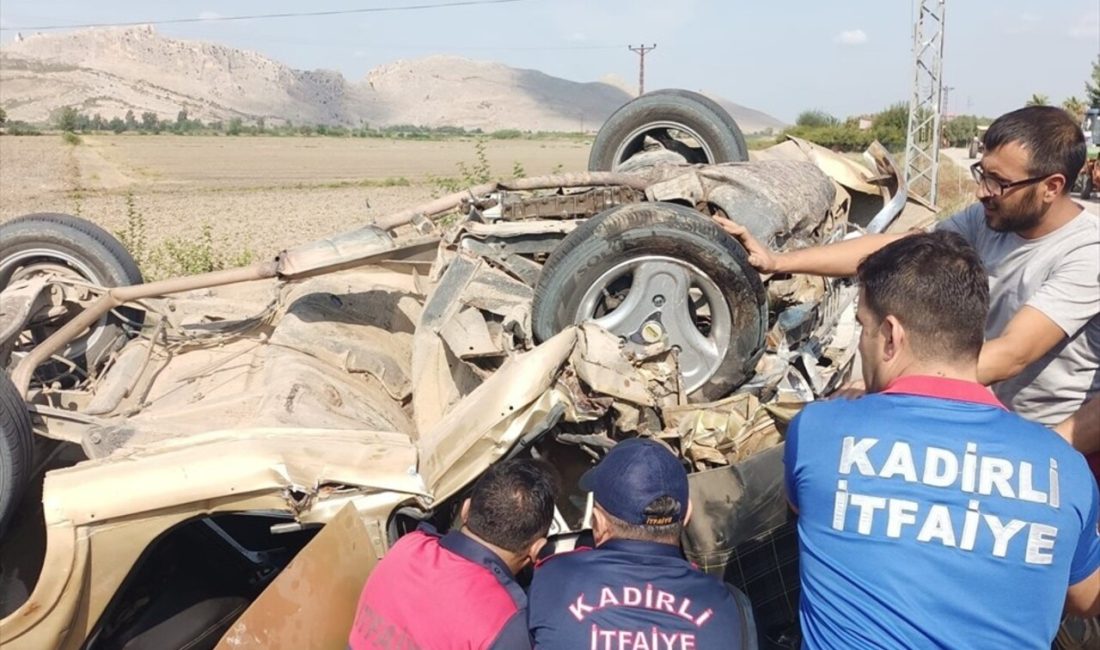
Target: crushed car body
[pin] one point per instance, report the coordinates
(383, 370)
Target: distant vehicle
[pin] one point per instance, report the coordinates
(976, 145)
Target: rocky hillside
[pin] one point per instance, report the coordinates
(110, 71)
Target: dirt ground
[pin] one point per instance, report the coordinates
(259, 194)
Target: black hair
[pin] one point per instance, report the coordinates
(512, 504)
(1053, 140)
(935, 285)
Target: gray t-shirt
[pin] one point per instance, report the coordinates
(1058, 274)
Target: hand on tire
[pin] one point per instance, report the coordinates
(760, 256)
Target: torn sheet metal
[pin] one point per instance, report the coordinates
(468, 336)
(212, 465)
(311, 604)
(438, 378)
(492, 417)
(599, 362)
(18, 302)
(530, 387)
(843, 170)
(722, 432)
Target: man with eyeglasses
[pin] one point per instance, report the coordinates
(1041, 250)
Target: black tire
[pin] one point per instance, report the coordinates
(663, 230)
(972, 151)
(85, 249)
(16, 449)
(693, 111)
(1087, 187)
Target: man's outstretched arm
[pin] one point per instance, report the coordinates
(1027, 337)
(835, 260)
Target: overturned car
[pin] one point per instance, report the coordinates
(220, 421)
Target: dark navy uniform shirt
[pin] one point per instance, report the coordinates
(632, 595)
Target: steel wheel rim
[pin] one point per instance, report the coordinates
(700, 355)
(633, 143)
(26, 264)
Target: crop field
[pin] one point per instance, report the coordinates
(249, 196)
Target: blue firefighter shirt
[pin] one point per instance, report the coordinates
(632, 595)
(931, 517)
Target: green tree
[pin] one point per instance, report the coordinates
(261, 125)
(1092, 88)
(3, 116)
(117, 125)
(131, 121)
(1038, 99)
(815, 118)
(150, 122)
(67, 119)
(98, 123)
(959, 130)
(234, 127)
(894, 116)
(1075, 107)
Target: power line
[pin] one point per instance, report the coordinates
(296, 14)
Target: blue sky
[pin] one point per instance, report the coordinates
(779, 56)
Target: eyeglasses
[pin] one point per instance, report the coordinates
(995, 187)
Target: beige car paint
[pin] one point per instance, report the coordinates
(222, 428)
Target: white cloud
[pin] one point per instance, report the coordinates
(209, 15)
(851, 37)
(1087, 26)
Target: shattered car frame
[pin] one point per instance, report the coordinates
(384, 372)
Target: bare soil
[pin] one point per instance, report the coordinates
(259, 194)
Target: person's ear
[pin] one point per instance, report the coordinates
(464, 513)
(535, 548)
(1052, 187)
(893, 338)
(599, 526)
(687, 515)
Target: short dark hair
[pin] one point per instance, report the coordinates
(935, 285)
(1054, 141)
(660, 509)
(512, 504)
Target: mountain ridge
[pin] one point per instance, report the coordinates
(112, 70)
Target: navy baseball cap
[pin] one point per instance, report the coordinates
(634, 474)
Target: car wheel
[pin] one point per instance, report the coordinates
(648, 271)
(67, 246)
(683, 122)
(972, 151)
(16, 448)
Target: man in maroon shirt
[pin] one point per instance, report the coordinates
(459, 590)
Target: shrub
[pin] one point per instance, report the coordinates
(815, 118)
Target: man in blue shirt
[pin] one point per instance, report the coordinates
(635, 590)
(929, 515)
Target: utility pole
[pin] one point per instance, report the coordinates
(947, 101)
(641, 52)
(922, 141)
